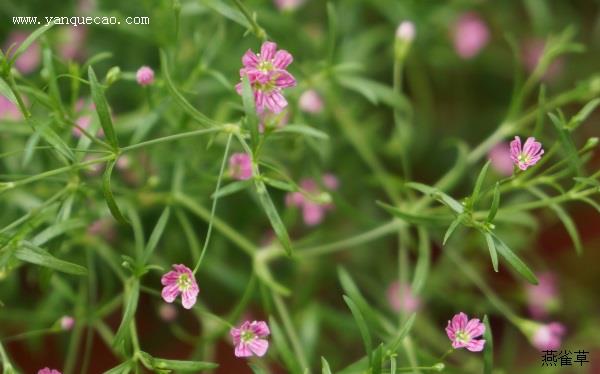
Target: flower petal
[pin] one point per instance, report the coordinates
(267, 51)
(476, 345)
(282, 59)
(169, 293)
(250, 59)
(259, 347)
(242, 350)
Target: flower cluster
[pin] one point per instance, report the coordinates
(313, 210)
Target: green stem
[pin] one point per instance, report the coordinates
(291, 332)
(258, 31)
(171, 138)
(29, 334)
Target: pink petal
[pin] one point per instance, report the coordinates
(250, 59)
(267, 51)
(169, 293)
(169, 278)
(282, 59)
(189, 297)
(242, 350)
(459, 321)
(283, 79)
(476, 345)
(275, 101)
(475, 328)
(260, 328)
(259, 347)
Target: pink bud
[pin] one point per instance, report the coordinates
(167, 312)
(549, 337)
(67, 323)
(311, 102)
(406, 31)
(501, 161)
(145, 76)
(470, 34)
(288, 5)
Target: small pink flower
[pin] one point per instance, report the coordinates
(408, 303)
(180, 281)
(240, 166)
(462, 332)
(48, 371)
(167, 312)
(532, 52)
(528, 155)
(470, 35)
(501, 159)
(72, 41)
(406, 31)
(268, 76)
(123, 162)
(31, 58)
(104, 228)
(272, 121)
(249, 339)
(8, 110)
(548, 337)
(313, 212)
(311, 102)
(67, 323)
(145, 76)
(84, 113)
(543, 297)
(288, 5)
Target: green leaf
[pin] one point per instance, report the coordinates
(423, 262)
(325, 369)
(123, 368)
(108, 195)
(283, 347)
(303, 130)
(374, 91)
(164, 364)
(131, 297)
(57, 230)
(488, 352)
(438, 195)
(52, 82)
(395, 345)
(331, 31)
(6, 92)
(156, 234)
(274, 218)
(416, 219)
(28, 41)
(514, 260)
(479, 183)
(583, 114)
(495, 204)
(227, 12)
(451, 229)
(179, 99)
(567, 143)
(362, 327)
(280, 185)
(377, 360)
(250, 110)
(492, 247)
(102, 109)
(46, 132)
(231, 188)
(38, 256)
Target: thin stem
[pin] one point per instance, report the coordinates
(258, 31)
(29, 334)
(291, 332)
(214, 204)
(171, 138)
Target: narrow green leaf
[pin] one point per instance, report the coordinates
(395, 345)
(57, 230)
(488, 352)
(377, 360)
(123, 368)
(514, 260)
(325, 369)
(179, 98)
(423, 262)
(38, 256)
(28, 41)
(303, 130)
(438, 195)
(6, 92)
(567, 143)
(131, 297)
(492, 247)
(102, 109)
(227, 12)
(583, 114)
(164, 364)
(479, 183)
(362, 327)
(251, 120)
(416, 219)
(451, 229)
(283, 347)
(108, 195)
(374, 91)
(280, 185)
(231, 188)
(274, 218)
(156, 234)
(52, 82)
(46, 132)
(495, 204)
(331, 31)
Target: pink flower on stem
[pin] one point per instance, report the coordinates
(144, 76)
(250, 339)
(47, 370)
(407, 302)
(180, 281)
(72, 41)
(240, 166)
(463, 332)
(543, 297)
(470, 35)
(406, 31)
(67, 323)
(313, 212)
(311, 102)
(268, 76)
(549, 336)
(501, 159)
(30, 59)
(525, 156)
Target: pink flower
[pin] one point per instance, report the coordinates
(313, 211)
(408, 303)
(84, 113)
(72, 41)
(533, 50)
(543, 297)
(104, 228)
(288, 5)
(180, 281)
(470, 35)
(249, 339)
(29, 60)
(548, 337)
(528, 155)
(311, 102)
(67, 323)
(501, 160)
(240, 166)
(8, 110)
(406, 31)
(167, 312)
(463, 332)
(48, 371)
(268, 76)
(145, 76)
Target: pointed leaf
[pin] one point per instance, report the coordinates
(131, 297)
(102, 109)
(488, 352)
(156, 234)
(492, 247)
(479, 183)
(451, 229)
(274, 218)
(416, 219)
(495, 204)
(38, 256)
(514, 261)
(362, 327)
(29, 40)
(303, 130)
(108, 195)
(325, 369)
